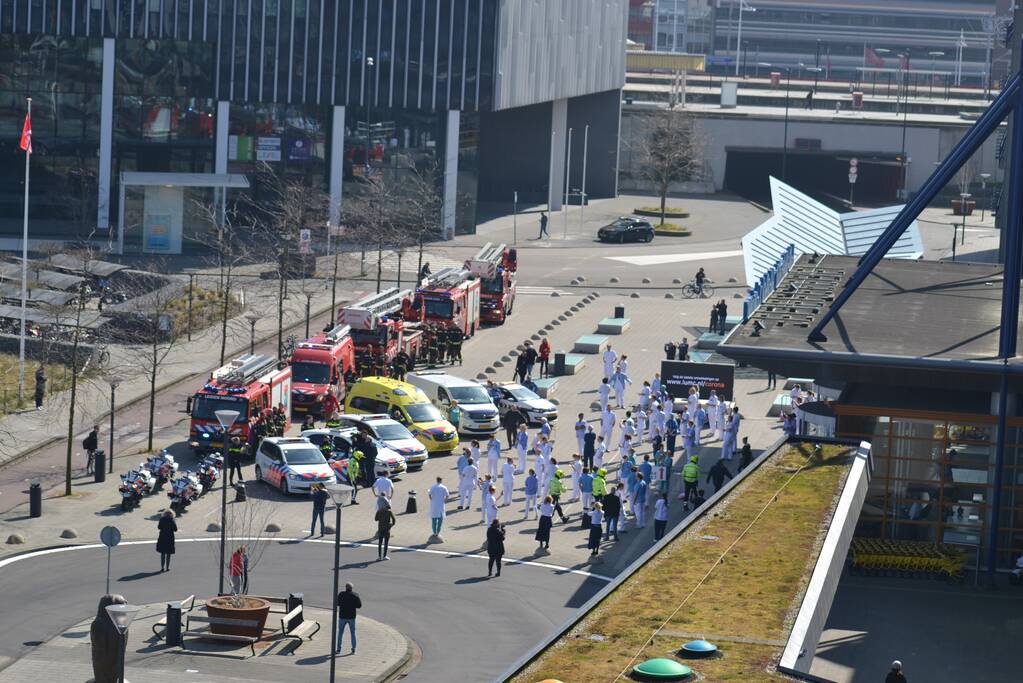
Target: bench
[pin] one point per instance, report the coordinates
(614, 326)
(162, 623)
(220, 621)
(294, 625)
(590, 343)
(780, 403)
(700, 356)
(277, 605)
(545, 387)
(574, 363)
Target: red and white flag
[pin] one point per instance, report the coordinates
(871, 58)
(26, 134)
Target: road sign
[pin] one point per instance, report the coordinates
(305, 241)
(110, 536)
(852, 178)
(853, 163)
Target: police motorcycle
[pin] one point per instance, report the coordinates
(208, 470)
(134, 485)
(185, 489)
(163, 467)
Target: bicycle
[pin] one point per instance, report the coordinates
(691, 291)
(288, 346)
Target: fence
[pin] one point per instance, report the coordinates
(768, 282)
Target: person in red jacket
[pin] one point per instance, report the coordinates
(544, 357)
(330, 405)
(238, 569)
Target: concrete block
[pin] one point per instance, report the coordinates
(709, 341)
(69, 533)
(574, 363)
(647, 281)
(16, 539)
(634, 295)
(272, 528)
(781, 402)
(613, 280)
(614, 326)
(590, 343)
(545, 387)
(498, 364)
(669, 295)
(213, 526)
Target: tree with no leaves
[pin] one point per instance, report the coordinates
(670, 150)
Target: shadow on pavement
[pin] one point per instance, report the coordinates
(139, 575)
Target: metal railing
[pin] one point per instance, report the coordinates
(768, 282)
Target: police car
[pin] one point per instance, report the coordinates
(393, 434)
(389, 463)
(291, 464)
(512, 396)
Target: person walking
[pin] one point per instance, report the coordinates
(532, 487)
(611, 506)
(577, 472)
(543, 530)
(348, 605)
(544, 357)
(507, 481)
(493, 456)
(555, 489)
(746, 454)
(895, 675)
(610, 357)
(671, 428)
(495, 546)
(165, 540)
(586, 487)
(490, 504)
(596, 528)
(619, 380)
(40, 387)
(237, 568)
(511, 421)
(690, 479)
(604, 391)
(607, 424)
(90, 444)
(639, 500)
(385, 521)
(772, 379)
(543, 226)
(520, 369)
(438, 495)
(598, 453)
(352, 473)
(530, 355)
(319, 496)
(660, 516)
(728, 437)
(521, 446)
(467, 483)
(589, 446)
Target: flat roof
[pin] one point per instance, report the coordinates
(924, 316)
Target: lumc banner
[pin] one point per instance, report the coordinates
(679, 375)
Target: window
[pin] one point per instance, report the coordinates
(438, 308)
(423, 412)
(442, 396)
(205, 407)
(304, 456)
(271, 451)
(367, 405)
(470, 395)
(311, 373)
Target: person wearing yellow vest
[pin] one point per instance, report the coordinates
(691, 479)
(554, 490)
(599, 484)
(354, 463)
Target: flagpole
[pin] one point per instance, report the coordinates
(24, 271)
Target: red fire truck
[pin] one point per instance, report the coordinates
(382, 325)
(451, 299)
(249, 384)
(494, 266)
(318, 367)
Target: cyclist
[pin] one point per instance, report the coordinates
(699, 279)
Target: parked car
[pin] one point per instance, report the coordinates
(517, 397)
(291, 464)
(392, 433)
(389, 463)
(627, 229)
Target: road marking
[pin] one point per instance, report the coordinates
(658, 259)
(538, 290)
(350, 544)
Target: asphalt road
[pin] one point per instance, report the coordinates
(465, 624)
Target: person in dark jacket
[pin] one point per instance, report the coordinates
(495, 546)
(106, 642)
(612, 506)
(746, 454)
(165, 541)
(511, 420)
(385, 520)
(40, 386)
(717, 474)
(348, 604)
(90, 444)
(895, 675)
(320, 497)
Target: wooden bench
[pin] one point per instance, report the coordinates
(162, 623)
(295, 625)
(277, 605)
(220, 621)
(614, 326)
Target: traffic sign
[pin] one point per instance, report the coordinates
(854, 162)
(852, 178)
(110, 536)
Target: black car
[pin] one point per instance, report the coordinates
(627, 230)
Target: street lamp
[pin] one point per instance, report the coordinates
(964, 197)
(253, 318)
(122, 616)
(984, 177)
(816, 75)
(934, 54)
(226, 418)
(341, 494)
(113, 381)
(738, 41)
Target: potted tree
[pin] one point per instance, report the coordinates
(964, 205)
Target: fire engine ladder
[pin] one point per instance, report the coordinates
(448, 277)
(383, 303)
(245, 369)
(490, 253)
(337, 333)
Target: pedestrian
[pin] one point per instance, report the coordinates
(577, 473)
(580, 432)
(495, 546)
(234, 461)
(713, 326)
(586, 487)
(718, 472)
(463, 460)
(237, 568)
(348, 604)
(670, 349)
(610, 357)
(895, 675)
(589, 446)
(641, 425)
(639, 500)
(532, 487)
(493, 456)
(772, 379)
(352, 472)
(543, 530)
(722, 317)
(165, 540)
(385, 521)
(319, 496)
(521, 445)
(438, 495)
(713, 412)
(604, 391)
(507, 481)
(683, 349)
(809, 99)
(746, 454)
(671, 428)
(619, 380)
(728, 437)
(383, 487)
(598, 453)
(40, 387)
(660, 516)
(511, 421)
(543, 226)
(90, 444)
(424, 272)
(596, 528)
(544, 356)
(520, 369)
(611, 505)
(489, 503)
(607, 424)
(455, 415)
(690, 478)
(555, 489)
(467, 483)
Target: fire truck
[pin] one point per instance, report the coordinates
(318, 367)
(451, 299)
(385, 323)
(496, 272)
(249, 384)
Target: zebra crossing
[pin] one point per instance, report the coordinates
(530, 290)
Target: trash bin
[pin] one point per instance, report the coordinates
(857, 99)
(295, 599)
(619, 311)
(410, 506)
(172, 632)
(559, 364)
(35, 500)
(99, 463)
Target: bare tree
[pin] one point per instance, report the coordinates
(250, 524)
(230, 251)
(422, 204)
(670, 150)
(371, 214)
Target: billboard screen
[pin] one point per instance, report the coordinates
(679, 375)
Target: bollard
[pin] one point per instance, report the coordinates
(35, 500)
(172, 632)
(410, 507)
(559, 364)
(619, 311)
(239, 492)
(99, 464)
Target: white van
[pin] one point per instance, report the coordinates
(478, 415)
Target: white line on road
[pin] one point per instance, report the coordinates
(658, 259)
(350, 544)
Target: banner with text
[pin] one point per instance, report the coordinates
(679, 375)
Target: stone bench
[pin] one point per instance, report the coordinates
(591, 344)
(700, 356)
(732, 321)
(780, 403)
(545, 387)
(614, 326)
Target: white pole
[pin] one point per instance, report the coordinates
(582, 198)
(24, 272)
(550, 182)
(738, 41)
(515, 217)
(568, 173)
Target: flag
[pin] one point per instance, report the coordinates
(871, 58)
(26, 134)
(905, 61)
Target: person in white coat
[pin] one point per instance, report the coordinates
(543, 454)
(655, 385)
(624, 364)
(438, 495)
(700, 420)
(607, 424)
(604, 390)
(644, 395)
(619, 380)
(493, 456)
(580, 432)
(489, 505)
(598, 453)
(727, 438)
(628, 437)
(521, 446)
(642, 419)
(577, 471)
(713, 412)
(657, 420)
(486, 490)
(610, 357)
(736, 421)
(468, 482)
(507, 481)
(693, 401)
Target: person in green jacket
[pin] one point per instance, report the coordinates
(554, 490)
(599, 484)
(353, 473)
(691, 479)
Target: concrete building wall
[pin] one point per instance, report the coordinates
(551, 50)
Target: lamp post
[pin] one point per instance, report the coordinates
(226, 418)
(113, 381)
(122, 616)
(934, 54)
(743, 7)
(964, 197)
(785, 133)
(253, 318)
(904, 59)
(341, 494)
(984, 177)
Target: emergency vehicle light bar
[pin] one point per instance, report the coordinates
(244, 369)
